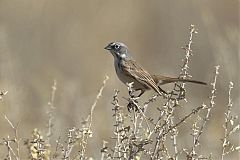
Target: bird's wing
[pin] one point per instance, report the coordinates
(138, 73)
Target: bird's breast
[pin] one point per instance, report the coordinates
(120, 72)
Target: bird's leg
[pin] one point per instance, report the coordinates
(130, 106)
(133, 100)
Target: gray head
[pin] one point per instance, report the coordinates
(118, 50)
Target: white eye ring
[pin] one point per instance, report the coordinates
(116, 46)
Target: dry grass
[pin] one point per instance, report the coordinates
(137, 135)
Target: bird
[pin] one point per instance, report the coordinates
(128, 71)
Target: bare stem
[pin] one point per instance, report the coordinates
(229, 126)
(50, 111)
(16, 139)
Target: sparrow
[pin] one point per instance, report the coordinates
(128, 71)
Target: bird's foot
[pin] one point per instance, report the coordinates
(131, 107)
(132, 101)
(133, 104)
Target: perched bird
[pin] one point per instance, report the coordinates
(128, 70)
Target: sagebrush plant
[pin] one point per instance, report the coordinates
(136, 134)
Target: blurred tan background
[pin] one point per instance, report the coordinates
(64, 39)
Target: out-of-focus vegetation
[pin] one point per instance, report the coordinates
(42, 41)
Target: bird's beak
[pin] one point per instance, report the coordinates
(108, 47)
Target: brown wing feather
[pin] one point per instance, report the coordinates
(139, 74)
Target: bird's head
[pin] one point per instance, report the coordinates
(118, 50)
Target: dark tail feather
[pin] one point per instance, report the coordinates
(161, 80)
(193, 81)
(171, 80)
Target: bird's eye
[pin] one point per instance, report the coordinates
(116, 46)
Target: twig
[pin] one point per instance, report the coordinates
(197, 131)
(118, 125)
(96, 100)
(81, 135)
(88, 131)
(211, 105)
(2, 94)
(188, 53)
(229, 126)
(70, 144)
(16, 139)
(172, 102)
(50, 111)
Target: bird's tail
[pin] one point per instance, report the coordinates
(161, 80)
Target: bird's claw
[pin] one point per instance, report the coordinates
(132, 105)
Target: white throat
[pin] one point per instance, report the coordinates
(123, 56)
